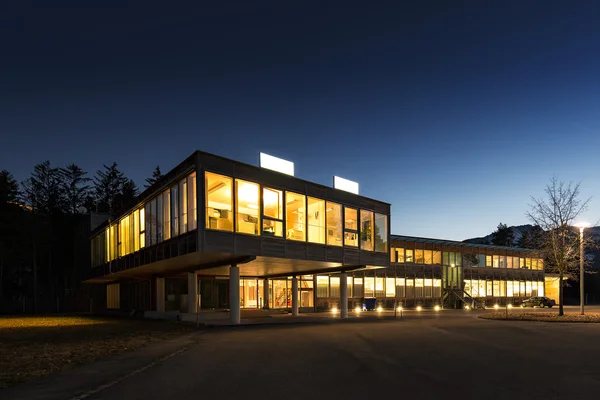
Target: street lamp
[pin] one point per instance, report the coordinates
(581, 226)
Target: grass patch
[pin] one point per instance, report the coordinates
(543, 317)
(34, 346)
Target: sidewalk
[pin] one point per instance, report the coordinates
(82, 381)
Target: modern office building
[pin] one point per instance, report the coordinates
(216, 234)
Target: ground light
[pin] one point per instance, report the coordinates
(496, 306)
(467, 307)
(357, 309)
(436, 308)
(507, 307)
(379, 309)
(419, 308)
(334, 310)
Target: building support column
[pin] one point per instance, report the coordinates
(192, 292)
(234, 294)
(266, 293)
(160, 294)
(294, 296)
(344, 295)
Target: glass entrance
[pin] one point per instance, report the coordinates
(452, 277)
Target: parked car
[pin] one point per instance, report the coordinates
(538, 301)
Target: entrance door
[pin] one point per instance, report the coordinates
(452, 277)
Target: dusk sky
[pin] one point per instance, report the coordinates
(456, 112)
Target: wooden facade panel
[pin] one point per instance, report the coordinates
(367, 258)
(366, 203)
(316, 252)
(316, 191)
(381, 258)
(247, 245)
(218, 242)
(351, 257)
(273, 247)
(335, 254)
(295, 250)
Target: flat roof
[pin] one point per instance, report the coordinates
(457, 243)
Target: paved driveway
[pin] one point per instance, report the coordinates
(454, 356)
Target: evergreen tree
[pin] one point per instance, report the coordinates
(42, 191)
(108, 183)
(127, 193)
(503, 236)
(76, 188)
(9, 188)
(156, 175)
(534, 238)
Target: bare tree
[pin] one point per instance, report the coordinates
(556, 215)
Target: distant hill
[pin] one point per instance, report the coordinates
(518, 231)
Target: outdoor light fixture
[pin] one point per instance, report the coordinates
(496, 306)
(509, 306)
(467, 307)
(379, 309)
(400, 308)
(581, 226)
(436, 308)
(357, 309)
(419, 308)
(334, 310)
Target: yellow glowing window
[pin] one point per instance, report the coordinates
(350, 227)
(366, 230)
(295, 220)
(316, 220)
(247, 200)
(219, 202)
(333, 212)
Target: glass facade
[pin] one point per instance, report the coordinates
(147, 225)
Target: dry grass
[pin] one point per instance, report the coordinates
(543, 317)
(31, 347)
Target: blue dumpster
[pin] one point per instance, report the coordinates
(369, 304)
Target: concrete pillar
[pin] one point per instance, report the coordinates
(266, 293)
(192, 292)
(234, 294)
(294, 296)
(160, 294)
(344, 295)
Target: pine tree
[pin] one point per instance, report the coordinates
(503, 236)
(9, 188)
(42, 191)
(156, 175)
(108, 183)
(76, 188)
(534, 238)
(127, 193)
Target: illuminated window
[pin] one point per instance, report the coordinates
(534, 263)
(366, 230)
(490, 288)
(540, 263)
(418, 287)
(419, 258)
(334, 286)
(295, 216)
(142, 228)
(247, 201)
(400, 254)
(358, 287)
(350, 227)
(369, 286)
(528, 263)
(272, 212)
(521, 262)
(482, 292)
(393, 254)
(437, 288)
(496, 288)
(541, 288)
(428, 256)
(390, 287)
(192, 204)
(467, 288)
(136, 230)
(159, 219)
(219, 209)
(428, 288)
(174, 211)
(381, 233)
(183, 207)
(509, 262)
(334, 224)
(516, 289)
(528, 288)
(509, 289)
(409, 256)
(495, 261)
(400, 292)
(379, 287)
(322, 286)
(166, 211)
(488, 261)
(437, 257)
(410, 288)
(316, 220)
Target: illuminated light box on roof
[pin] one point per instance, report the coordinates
(276, 164)
(345, 184)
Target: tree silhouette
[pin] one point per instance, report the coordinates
(156, 175)
(503, 236)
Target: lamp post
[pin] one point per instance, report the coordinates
(581, 294)
(581, 227)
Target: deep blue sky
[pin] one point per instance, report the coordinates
(456, 112)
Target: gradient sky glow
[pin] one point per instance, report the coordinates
(456, 112)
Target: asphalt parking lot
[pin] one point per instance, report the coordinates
(454, 355)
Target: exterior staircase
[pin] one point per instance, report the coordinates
(458, 298)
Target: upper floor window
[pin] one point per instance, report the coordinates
(316, 220)
(247, 201)
(350, 226)
(219, 207)
(366, 230)
(272, 212)
(295, 219)
(381, 233)
(333, 213)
